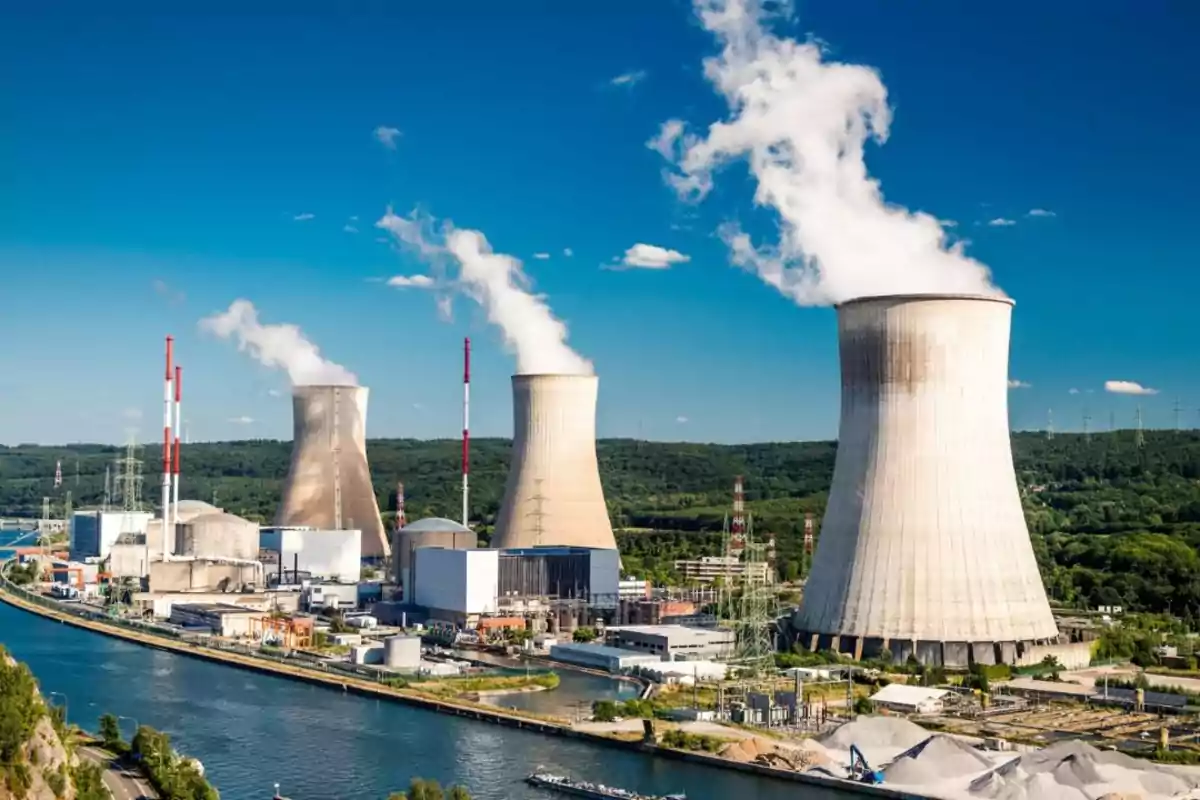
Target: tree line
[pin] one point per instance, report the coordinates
(1113, 523)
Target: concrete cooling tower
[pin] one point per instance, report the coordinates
(924, 549)
(553, 494)
(329, 484)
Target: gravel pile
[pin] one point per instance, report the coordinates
(936, 759)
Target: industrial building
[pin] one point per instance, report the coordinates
(95, 531)
(332, 555)
(456, 586)
(553, 494)
(533, 575)
(905, 699)
(216, 535)
(229, 621)
(329, 483)
(924, 550)
(708, 569)
(599, 656)
(429, 532)
(674, 642)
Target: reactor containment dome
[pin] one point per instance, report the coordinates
(924, 550)
(553, 494)
(329, 483)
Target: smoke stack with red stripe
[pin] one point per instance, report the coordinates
(177, 428)
(166, 454)
(466, 439)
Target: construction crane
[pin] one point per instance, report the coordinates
(860, 770)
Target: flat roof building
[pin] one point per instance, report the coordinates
(674, 642)
(909, 699)
(708, 569)
(222, 619)
(598, 656)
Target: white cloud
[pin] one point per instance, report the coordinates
(632, 78)
(445, 308)
(1001, 222)
(541, 256)
(681, 420)
(173, 297)
(354, 218)
(274, 393)
(1013, 383)
(242, 420)
(1127, 387)
(348, 228)
(1040, 212)
(949, 223)
(387, 136)
(568, 252)
(665, 143)
(410, 281)
(1072, 391)
(305, 217)
(649, 256)
(414, 230)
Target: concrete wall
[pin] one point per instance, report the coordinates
(203, 576)
(129, 561)
(217, 535)
(1076, 655)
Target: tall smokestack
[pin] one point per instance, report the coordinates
(329, 483)
(166, 456)
(466, 437)
(553, 495)
(178, 425)
(924, 549)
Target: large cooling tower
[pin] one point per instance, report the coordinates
(553, 494)
(329, 484)
(924, 549)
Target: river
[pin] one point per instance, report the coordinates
(251, 730)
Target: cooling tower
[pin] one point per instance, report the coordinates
(924, 549)
(329, 484)
(553, 494)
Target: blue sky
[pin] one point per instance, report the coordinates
(155, 163)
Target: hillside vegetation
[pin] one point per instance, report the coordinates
(1112, 523)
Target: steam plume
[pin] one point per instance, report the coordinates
(802, 123)
(498, 283)
(276, 346)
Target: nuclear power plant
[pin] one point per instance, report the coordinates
(924, 549)
(553, 494)
(329, 483)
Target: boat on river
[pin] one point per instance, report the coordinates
(592, 791)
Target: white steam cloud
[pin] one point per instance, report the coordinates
(277, 346)
(498, 283)
(802, 124)
(1127, 387)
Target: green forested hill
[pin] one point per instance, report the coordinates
(1112, 523)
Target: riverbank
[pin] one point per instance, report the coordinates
(506, 718)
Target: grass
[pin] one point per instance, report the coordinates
(495, 683)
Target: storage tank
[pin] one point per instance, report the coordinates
(553, 494)
(402, 652)
(924, 549)
(329, 483)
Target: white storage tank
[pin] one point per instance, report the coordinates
(367, 653)
(402, 652)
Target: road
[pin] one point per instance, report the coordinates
(122, 784)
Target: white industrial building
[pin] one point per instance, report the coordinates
(332, 555)
(95, 531)
(924, 550)
(684, 671)
(599, 656)
(553, 494)
(456, 585)
(905, 699)
(428, 532)
(329, 483)
(674, 642)
(221, 619)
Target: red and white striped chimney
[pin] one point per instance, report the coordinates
(166, 455)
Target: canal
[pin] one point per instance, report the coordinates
(252, 730)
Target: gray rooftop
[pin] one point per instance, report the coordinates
(435, 524)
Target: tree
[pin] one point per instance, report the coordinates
(604, 711)
(422, 789)
(110, 731)
(584, 634)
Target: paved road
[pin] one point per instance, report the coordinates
(121, 783)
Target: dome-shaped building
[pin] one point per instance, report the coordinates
(428, 532)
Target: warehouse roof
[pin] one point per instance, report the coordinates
(900, 694)
(676, 634)
(435, 524)
(596, 649)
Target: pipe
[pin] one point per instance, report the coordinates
(178, 425)
(466, 436)
(166, 457)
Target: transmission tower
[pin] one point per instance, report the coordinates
(130, 479)
(1140, 436)
(107, 487)
(1050, 423)
(67, 507)
(538, 513)
(45, 508)
(1087, 427)
(755, 649)
(1178, 410)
